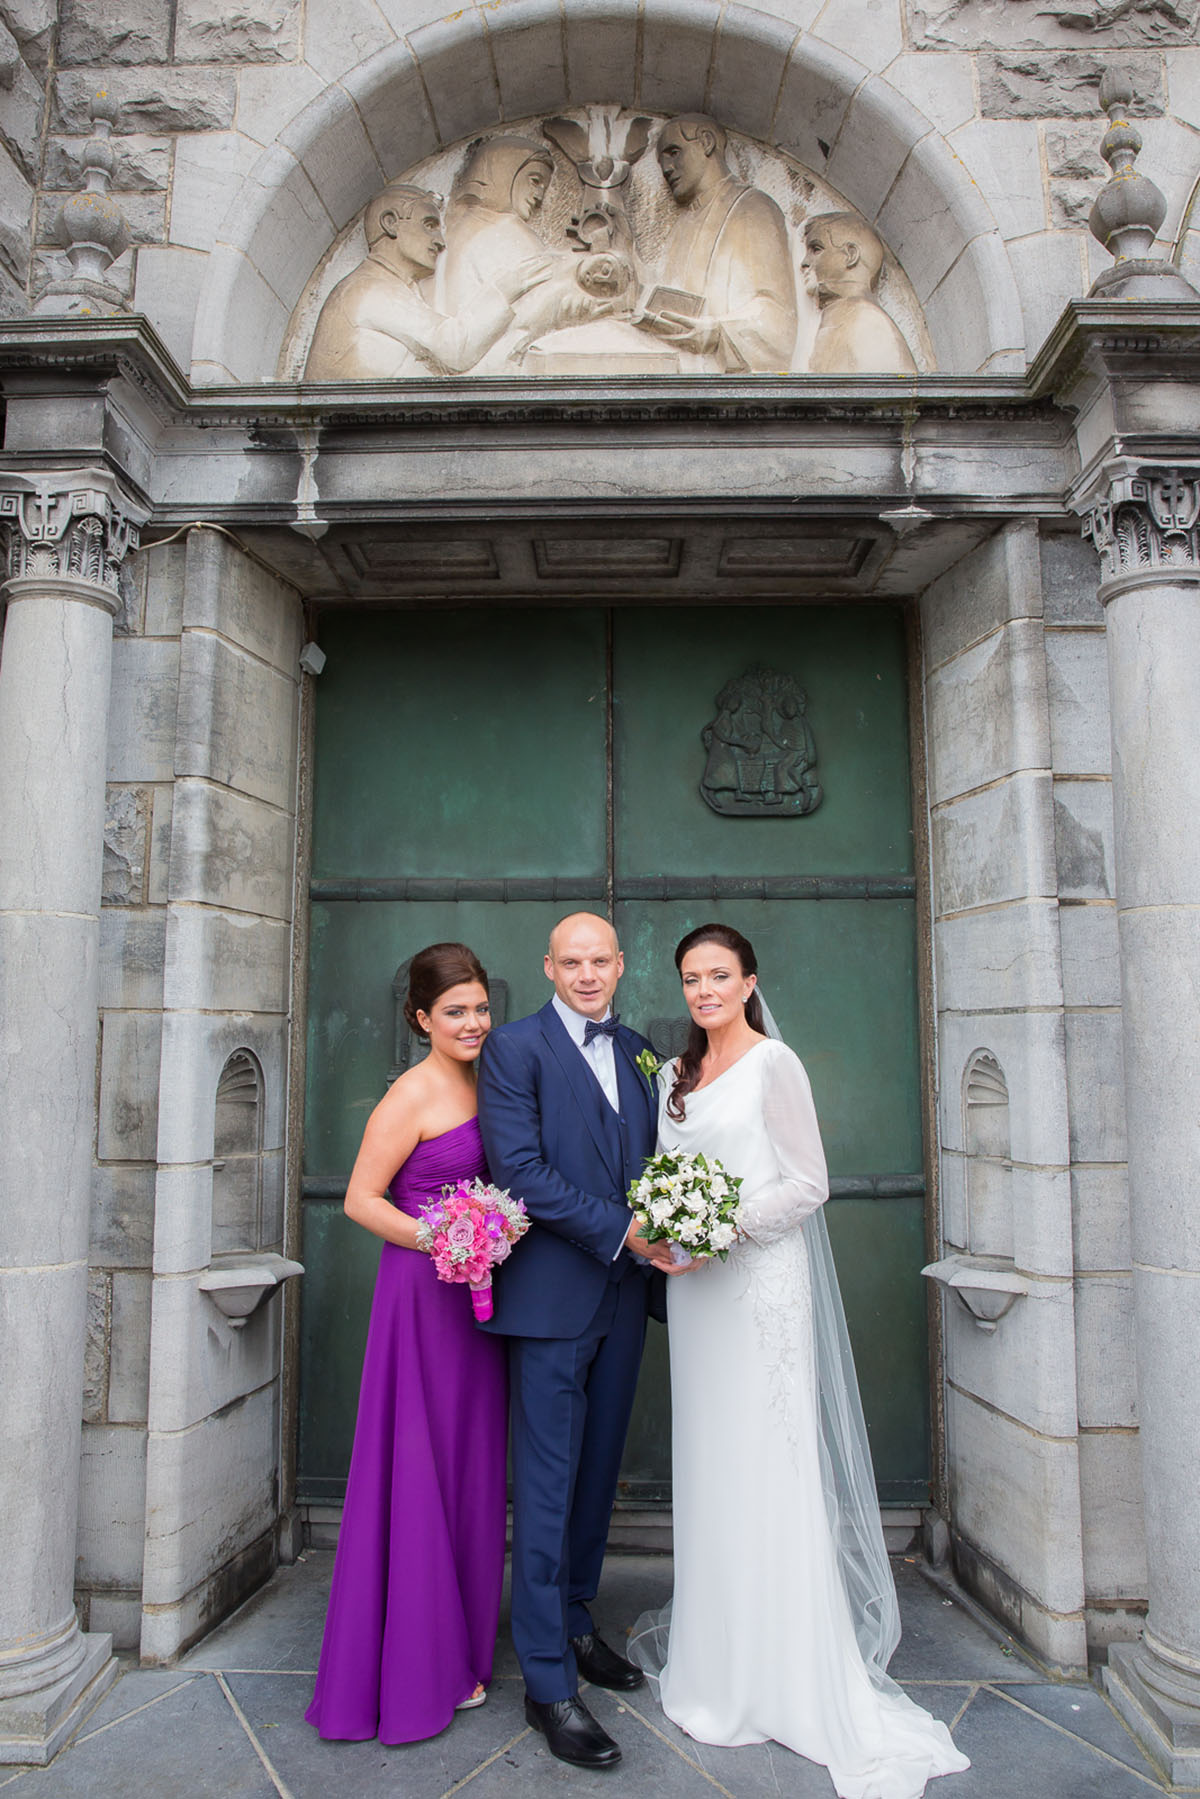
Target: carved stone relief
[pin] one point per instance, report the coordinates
(602, 242)
(1051, 24)
(80, 532)
(761, 753)
(1148, 523)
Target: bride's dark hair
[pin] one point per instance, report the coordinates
(687, 1069)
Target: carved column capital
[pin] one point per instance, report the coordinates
(1144, 519)
(69, 525)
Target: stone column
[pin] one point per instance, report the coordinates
(67, 535)
(1146, 525)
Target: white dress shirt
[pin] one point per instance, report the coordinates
(599, 1053)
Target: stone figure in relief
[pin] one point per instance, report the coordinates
(375, 325)
(841, 265)
(726, 291)
(602, 149)
(497, 194)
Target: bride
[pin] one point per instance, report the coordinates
(784, 1615)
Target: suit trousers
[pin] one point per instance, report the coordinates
(571, 1399)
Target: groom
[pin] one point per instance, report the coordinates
(567, 1121)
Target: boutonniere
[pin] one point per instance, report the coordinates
(650, 1066)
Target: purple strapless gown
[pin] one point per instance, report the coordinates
(420, 1560)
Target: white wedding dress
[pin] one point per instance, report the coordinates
(760, 1642)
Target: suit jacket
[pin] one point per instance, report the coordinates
(554, 1141)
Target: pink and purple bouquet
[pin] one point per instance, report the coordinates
(468, 1231)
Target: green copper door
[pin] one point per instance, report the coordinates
(479, 773)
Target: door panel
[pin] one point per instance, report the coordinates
(669, 666)
(839, 977)
(461, 743)
(465, 789)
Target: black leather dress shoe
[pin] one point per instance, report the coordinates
(571, 1732)
(603, 1666)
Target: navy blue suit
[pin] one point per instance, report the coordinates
(573, 1304)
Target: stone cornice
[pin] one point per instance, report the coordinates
(1104, 335)
(108, 349)
(1109, 337)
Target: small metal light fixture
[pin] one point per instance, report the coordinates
(312, 658)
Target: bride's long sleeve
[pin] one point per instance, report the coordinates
(791, 1124)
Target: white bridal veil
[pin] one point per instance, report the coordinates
(847, 1477)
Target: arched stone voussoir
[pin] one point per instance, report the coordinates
(237, 316)
(750, 59)
(530, 54)
(337, 153)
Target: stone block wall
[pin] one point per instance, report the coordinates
(214, 1387)
(195, 968)
(1114, 1550)
(1004, 1093)
(1042, 1445)
(26, 46)
(969, 132)
(133, 921)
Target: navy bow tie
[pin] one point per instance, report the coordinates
(606, 1027)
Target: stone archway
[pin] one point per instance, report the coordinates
(756, 74)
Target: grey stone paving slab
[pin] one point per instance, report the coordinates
(1015, 1756)
(137, 1687)
(274, 1705)
(188, 1746)
(944, 1701)
(171, 1734)
(631, 1585)
(649, 1766)
(1087, 1714)
(756, 1771)
(942, 1641)
(279, 1626)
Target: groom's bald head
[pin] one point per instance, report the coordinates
(580, 921)
(585, 963)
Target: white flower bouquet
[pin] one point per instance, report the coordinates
(690, 1201)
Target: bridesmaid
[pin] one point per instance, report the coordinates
(420, 1559)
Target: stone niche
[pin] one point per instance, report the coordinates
(634, 272)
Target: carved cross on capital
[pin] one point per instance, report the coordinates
(73, 524)
(1145, 522)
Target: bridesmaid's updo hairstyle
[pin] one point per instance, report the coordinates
(434, 971)
(687, 1069)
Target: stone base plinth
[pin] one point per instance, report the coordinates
(1161, 1713)
(34, 1726)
